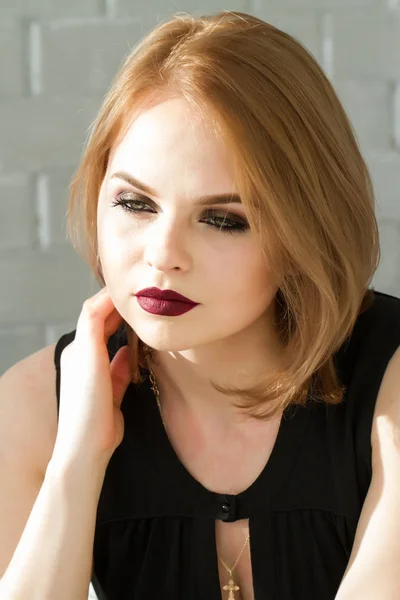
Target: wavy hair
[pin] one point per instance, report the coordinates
(302, 178)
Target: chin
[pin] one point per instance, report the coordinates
(165, 343)
(164, 346)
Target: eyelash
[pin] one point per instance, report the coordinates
(233, 226)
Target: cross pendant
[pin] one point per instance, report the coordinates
(231, 587)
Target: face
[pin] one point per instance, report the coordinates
(168, 238)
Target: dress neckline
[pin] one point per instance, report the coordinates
(284, 454)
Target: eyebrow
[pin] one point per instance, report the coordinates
(201, 200)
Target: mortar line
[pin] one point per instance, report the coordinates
(326, 30)
(34, 58)
(396, 115)
(110, 7)
(43, 210)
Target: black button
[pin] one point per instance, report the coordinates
(226, 507)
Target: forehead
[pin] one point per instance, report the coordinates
(175, 125)
(171, 137)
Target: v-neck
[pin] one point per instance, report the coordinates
(230, 507)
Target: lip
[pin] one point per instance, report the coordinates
(167, 308)
(164, 302)
(168, 295)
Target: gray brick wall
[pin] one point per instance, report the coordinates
(58, 57)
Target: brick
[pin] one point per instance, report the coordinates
(17, 343)
(37, 133)
(385, 171)
(315, 4)
(396, 106)
(54, 332)
(43, 287)
(152, 12)
(58, 183)
(302, 25)
(50, 8)
(17, 215)
(368, 105)
(11, 58)
(387, 275)
(366, 45)
(84, 58)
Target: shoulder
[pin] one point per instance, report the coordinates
(379, 349)
(28, 406)
(386, 421)
(372, 571)
(382, 346)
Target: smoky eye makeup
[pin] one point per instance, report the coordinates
(217, 218)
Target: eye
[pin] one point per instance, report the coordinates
(219, 220)
(134, 204)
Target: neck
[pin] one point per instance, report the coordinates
(184, 378)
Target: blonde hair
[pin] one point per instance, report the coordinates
(301, 176)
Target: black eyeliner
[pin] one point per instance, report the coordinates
(235, 227)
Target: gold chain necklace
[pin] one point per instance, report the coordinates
(231, 586)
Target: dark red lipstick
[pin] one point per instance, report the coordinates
(164, 302)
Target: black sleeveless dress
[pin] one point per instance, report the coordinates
(154, 534)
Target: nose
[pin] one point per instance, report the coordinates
(166, 248)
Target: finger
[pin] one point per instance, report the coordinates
(95, 310)
(112, 323)
(120, 374)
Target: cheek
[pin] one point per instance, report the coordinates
(116, 240)
(240, 272)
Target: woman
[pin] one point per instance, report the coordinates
(229, 216)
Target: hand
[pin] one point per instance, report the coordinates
(90, 422)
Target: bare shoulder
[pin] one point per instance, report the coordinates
(372, 570)
(28, 429)
(28, 408)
